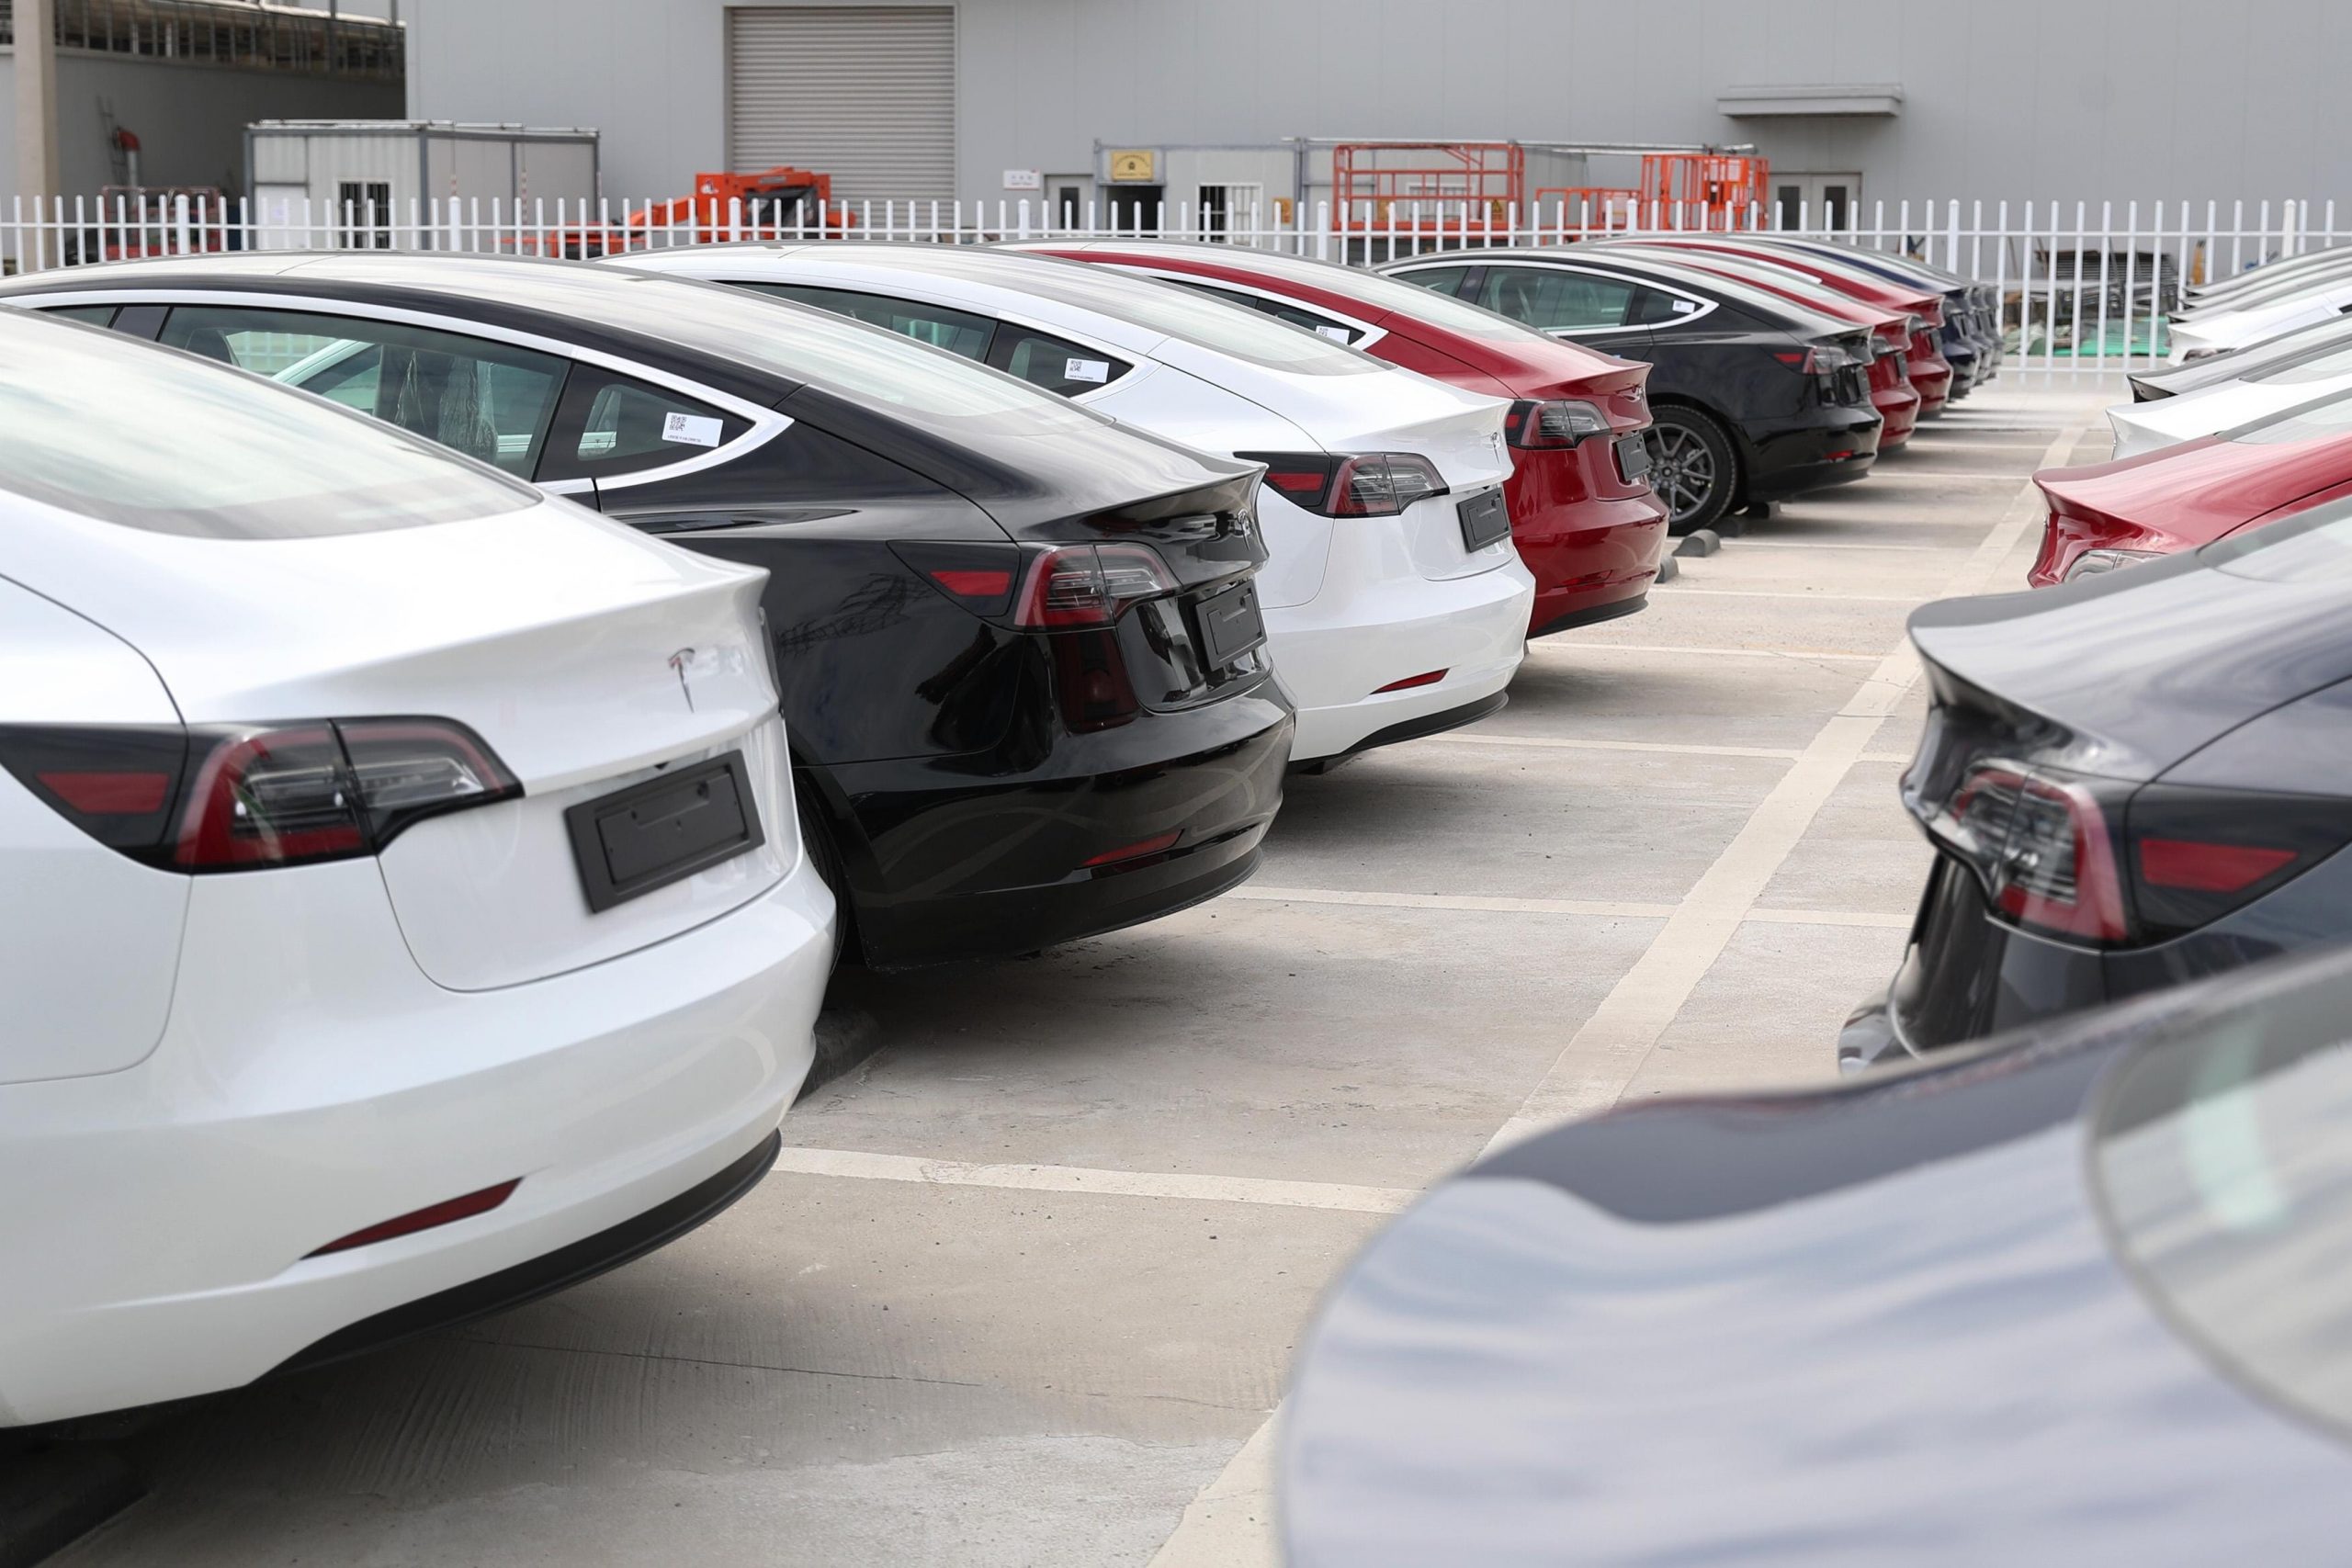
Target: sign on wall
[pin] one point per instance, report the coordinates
(1025, 179)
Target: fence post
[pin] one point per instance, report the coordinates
(179, 223)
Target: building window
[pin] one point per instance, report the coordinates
(364, 215)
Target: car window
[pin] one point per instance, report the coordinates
(486, 399)
(1653, 305)
(1044, 360)
(96, 315)
(941, 326)
(216, 456)
(1439, 279)
(614, 424)
(2219, 1162)
(1554, 300)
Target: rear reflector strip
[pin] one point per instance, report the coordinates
(1150, 846)
(1410, 681)
(975, 584)
(424, 1219)
(2207, 868)
(110, 794)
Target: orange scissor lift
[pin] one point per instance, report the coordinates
(1678, 190)
(1458, 189)
(775, 204)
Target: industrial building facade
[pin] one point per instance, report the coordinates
(989, 99)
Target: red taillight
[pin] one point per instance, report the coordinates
(1372, 484)
(1088, 585)
(229, 799)
(2046, 849)
(975, 584)
(1157, 843)
(423, 1218)
(1559, 423)
(1429, 678)
(329, 791)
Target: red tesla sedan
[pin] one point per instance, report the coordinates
(1930, 371)
(1892, 393)
(1582, 514)
(2107, 515)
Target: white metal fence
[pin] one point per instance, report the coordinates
(2085, 286)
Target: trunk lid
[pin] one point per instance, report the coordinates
(2124, 674)
(587, 656)
(1458, 431)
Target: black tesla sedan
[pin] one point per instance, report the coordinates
(2078, 1300)
(2130, 781)
(1023, 669)
(1752, 397)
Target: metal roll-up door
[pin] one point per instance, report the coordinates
(866, 93)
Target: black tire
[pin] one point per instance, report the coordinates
(817, 834)
(1692, 467)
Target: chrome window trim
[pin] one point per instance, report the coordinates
(765, 423)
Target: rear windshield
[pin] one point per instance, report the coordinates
(114, 429)
(2310, 546)
(2319, 367)
(2311, 424)
(2220, 1164)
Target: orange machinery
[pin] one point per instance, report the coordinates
(1681, 190)
(1443, 187)
(778, 203)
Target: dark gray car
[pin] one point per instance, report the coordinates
(2130, 781)
(2080, 1300)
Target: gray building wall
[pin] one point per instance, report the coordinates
(2073, 99)
(191, 118)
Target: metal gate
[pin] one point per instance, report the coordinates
(865, 93)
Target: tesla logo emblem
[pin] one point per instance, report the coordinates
(679, 661)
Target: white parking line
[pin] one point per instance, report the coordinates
(1665, 748)
(1478, 904)
(1802, 656)
(1229, 1523)
(1679, 591)
(1607, 1052)
(857, 1163)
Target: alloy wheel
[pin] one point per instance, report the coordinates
(1682, 471)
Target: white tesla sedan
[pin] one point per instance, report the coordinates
(403, 914)
(1395, 603)
(2259, 312)
(2269, 387)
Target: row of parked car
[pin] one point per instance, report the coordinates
(2071, 1296)
(446, 754)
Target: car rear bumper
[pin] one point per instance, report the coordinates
(1932, 379)
(1587, 555)
(1332, 657)
(310, 1086)
(1965, 975)
(1831, 445)
(964, 857)
(1899, 413)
